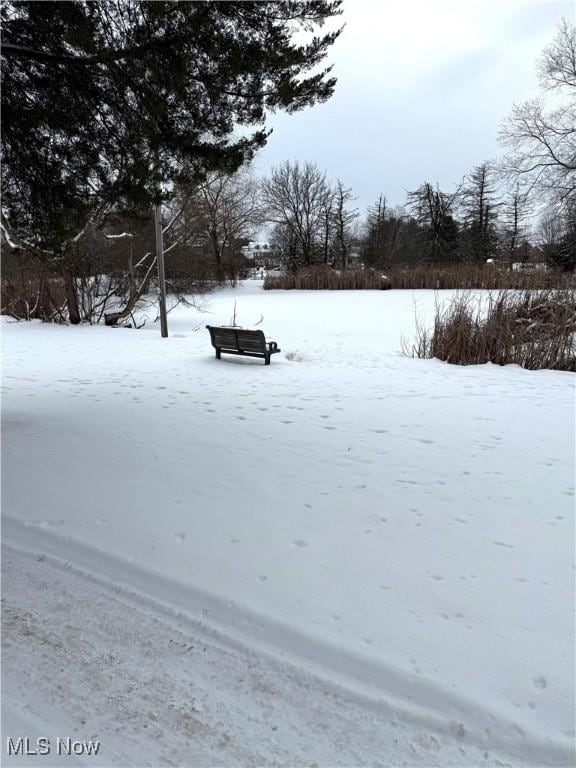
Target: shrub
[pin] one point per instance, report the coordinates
(28, 295)
(533, 329)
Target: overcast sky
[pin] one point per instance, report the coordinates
(423, 86)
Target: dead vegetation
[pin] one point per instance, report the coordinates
(435, 277)
(531, 328)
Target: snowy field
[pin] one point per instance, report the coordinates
(345, 558)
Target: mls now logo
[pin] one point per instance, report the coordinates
(42, 746)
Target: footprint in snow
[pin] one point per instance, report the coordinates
(300, 543)
(45, 523)
(180, 537)
(540, 682)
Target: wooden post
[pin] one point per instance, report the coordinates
(161, 276)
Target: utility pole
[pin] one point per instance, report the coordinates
(161, 277)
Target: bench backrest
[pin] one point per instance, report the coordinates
(238, 339)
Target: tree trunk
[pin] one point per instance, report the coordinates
(220, 274)
(135, 291)
(71, 297)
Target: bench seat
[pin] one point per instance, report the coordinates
(237, 341)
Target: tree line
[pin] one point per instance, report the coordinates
(111, 107)
(520, 207)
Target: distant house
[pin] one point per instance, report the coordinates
(354, 258)
(261, 254)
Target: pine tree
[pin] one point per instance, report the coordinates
(374, 238)
(104, 102)
(433, 212)
(480, 212)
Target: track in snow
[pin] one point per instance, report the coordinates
(83, 659)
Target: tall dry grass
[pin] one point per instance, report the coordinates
(533, 329)
(436, 277)
(328, 279)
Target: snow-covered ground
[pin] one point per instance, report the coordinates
(376, 552)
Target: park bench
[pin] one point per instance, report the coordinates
(237, 341)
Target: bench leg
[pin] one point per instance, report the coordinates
(267, 360)
(218, 354)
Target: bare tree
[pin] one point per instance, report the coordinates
(557, 65)
(557, 238)
(541, 140)
(515, 229)
(327, 225)
(295, 197)
(220, 215)
(550, 232)
(284, 244)
(343, 224)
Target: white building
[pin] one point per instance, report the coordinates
(262, 254)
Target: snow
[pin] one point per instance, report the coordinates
(399, 532)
